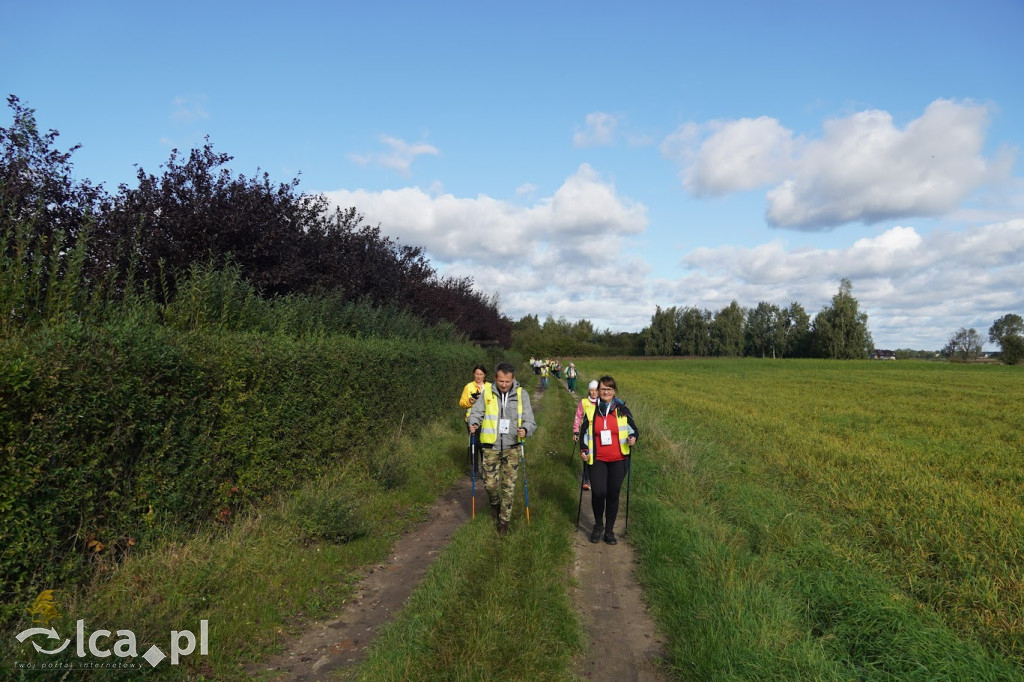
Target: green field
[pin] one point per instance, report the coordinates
(792, 520)
(830, 520)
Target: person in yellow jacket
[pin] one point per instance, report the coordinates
(504, 417)
(473, 389)
(470, 394)
(609, 432)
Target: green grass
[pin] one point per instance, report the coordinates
(274, 569)
(271, 570)
(830, 520)
(793, 520)
(498, 608)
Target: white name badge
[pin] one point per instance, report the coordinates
(606, 437)
(504, 425)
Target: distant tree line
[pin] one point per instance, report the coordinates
(150, 233)
(767, 330)
(559, 338)
(838, 331)
(1007, 331)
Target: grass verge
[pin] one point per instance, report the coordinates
(826, 521)
(263, 575)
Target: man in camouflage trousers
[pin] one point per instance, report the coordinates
(504, 417)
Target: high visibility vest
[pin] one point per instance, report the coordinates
(487, 386)
(489, 424)
(589, 409)
(623, 432)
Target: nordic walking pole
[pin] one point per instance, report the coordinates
(526, 489)
(579, 507)
(629, 468)
(472, 473)
(572, 455)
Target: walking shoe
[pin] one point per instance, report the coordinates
(609, 538)
(586, 486)
(502, 528)
(595, 537)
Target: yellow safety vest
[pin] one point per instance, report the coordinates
(489, 424)
(487, 385)
(589, 409)
(623, 432)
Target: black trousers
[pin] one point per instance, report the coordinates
(605, 484)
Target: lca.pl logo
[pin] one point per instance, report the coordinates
(183, 643)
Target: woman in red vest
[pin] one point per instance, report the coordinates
(609, 434)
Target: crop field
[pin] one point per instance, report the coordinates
(830, 520)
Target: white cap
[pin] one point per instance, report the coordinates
(593, 384)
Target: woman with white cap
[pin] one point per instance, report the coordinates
(586, 407)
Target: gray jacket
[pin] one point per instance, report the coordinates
(510, 411)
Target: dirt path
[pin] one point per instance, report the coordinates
(342, 642)
(623, 642)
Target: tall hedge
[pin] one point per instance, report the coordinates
(109, 431)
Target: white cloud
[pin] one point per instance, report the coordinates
(599, 130)
(866, 169)
(538, 257)
(917, 290)
(571, 254)
(863, 168)
(527, 189)
(736, 156)
(189, 109)
(400, 155)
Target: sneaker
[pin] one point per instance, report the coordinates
(609, 538)
(595, 537)
(502, 528)
(586, 486)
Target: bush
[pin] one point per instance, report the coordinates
(114, 429)
(331, 516)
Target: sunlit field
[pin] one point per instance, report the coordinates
(830, 519)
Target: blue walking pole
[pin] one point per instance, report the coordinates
(472, 473)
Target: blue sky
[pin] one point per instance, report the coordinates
(591, 159)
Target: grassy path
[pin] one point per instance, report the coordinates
(491, 607)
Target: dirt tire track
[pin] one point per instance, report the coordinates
(341, 642)
(624, 643)
(327, 646)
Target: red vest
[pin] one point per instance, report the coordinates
(611, 452)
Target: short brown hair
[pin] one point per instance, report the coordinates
(607, 381)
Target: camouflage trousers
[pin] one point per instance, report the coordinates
(499, 469)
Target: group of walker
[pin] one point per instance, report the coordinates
(499, 417)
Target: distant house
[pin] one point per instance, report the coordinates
(883, 355)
